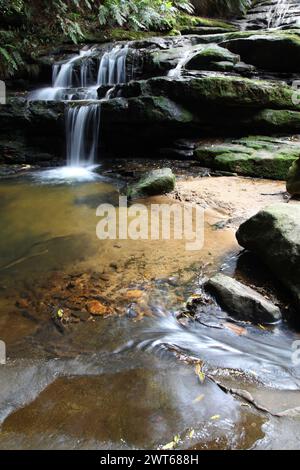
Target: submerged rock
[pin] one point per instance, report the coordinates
(274, 235)
(154, 183)
(242, 301)
(252, 156)
(293, 179)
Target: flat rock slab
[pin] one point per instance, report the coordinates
(242, 301)
(252, 156)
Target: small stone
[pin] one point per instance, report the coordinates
(96, 308)
(134, 294)
(22, 303)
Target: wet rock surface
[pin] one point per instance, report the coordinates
(242, 301)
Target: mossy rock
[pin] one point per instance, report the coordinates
(211, 54)
(145, 110)
(250, 157)
(221, 90)
(156, 182)
(278, 120)
(293, 179)
(274, 235)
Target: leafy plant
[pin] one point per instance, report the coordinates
(145, 14)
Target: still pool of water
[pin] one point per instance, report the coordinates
(127, 380)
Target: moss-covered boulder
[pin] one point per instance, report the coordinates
(274, 235)
(208, 56)
(253, 156)
(276, 121)
(275, 51)
(293, 179)
(156, 182)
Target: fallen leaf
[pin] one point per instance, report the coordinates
(215, 417)
(192, 433)
(169, 446)
(236, 329)
(200, 373)
(198, 399)
(60, 313)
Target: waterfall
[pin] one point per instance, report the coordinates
(112, 69)
(63, 74)
(278, 13)
(79, 79)
(82, 129)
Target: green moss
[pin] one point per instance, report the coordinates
(293, 179)
(186, 21)
(154, 183)
(282, 119)
(116, 34)
(270, 161)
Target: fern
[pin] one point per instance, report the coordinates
(144, 14)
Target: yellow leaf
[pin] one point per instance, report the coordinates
(199, 398)
(191, 434)
(215, 417)
(262, 327)
(60, 313)
(176, 439)
(200, 373)
(169, 446)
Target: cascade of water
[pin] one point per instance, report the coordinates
(278, 13)
(82, 129)
(62, 76)
(79, 79)
(112, 68)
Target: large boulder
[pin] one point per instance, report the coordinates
(274, 235)
(293, 179)
(154, 183)
(275, 52)
(258, 156)
(242, 301)
(215, 90)
(145, 110)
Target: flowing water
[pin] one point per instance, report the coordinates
(127, 380)
(278, 13)
(82, 128)
(80, 76)
(76, 79)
